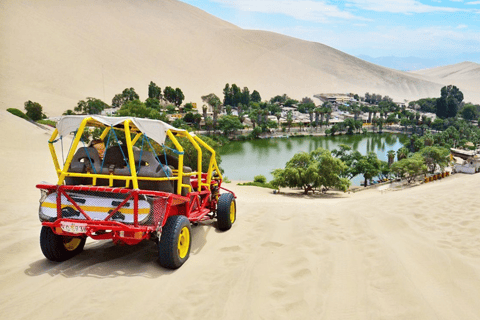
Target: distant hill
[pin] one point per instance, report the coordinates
(401, 63)
(465, 75)
(57, 52)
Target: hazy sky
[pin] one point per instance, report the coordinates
(447, 30)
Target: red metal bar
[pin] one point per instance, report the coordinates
(229, 192)
(118, 208)
(59, 205)
(135, 208)
(60, 191)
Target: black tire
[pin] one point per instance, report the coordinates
(175, 242)
(60, 248)
(226, 211)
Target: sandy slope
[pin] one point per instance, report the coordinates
(412, 254)
(58, 52)
(465, 75)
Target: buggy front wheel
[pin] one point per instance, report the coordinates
(59, 248)
(226, 211)
(175, 242)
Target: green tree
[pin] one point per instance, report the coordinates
(229, 124)
(153, 103)
(154, 91)
(311, 170)
(330, 170)
(449, 101)
(469, 112)
(128, 94)
(435, 157)
(255, 96)
(409, 168)
(179, 97)
(134, 108)
(90, 106)
(227, 96)
(171, 109)
(369, 166)
(169, 94)
(289, 119)
(34, 110)
(350, 158)
(299, 172)
(188, 107)
(402, 153)
(69, 112)
(245, 96)
(279, 99)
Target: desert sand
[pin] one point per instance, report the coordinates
(465, 75)
(57, 52)
(409, 254)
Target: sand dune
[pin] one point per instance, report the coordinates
(465, 75)
(411, 254)
(58, 52)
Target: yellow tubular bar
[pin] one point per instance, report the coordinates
(213, 163)
(138, 136)
(53, 153)
(180, 161)
(131, 160)
(72, 150)
(199, 160)
(104, 133)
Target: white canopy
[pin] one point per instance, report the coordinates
(154, 129)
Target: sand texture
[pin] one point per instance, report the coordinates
(57, 52)
(410, 254)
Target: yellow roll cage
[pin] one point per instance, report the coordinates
(130, 128)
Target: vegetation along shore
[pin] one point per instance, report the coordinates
(433, 126)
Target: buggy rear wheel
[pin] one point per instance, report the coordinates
(59, 248)
(175, 242)
(226, 211)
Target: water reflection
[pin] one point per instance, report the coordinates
(242, 160)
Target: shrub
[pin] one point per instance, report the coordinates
(18, 113)
(34, 110)
(48, 122)
(260, 179)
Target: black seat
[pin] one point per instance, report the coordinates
(86, 159)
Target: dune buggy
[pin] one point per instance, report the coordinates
(136, 187)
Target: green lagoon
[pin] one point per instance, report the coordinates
(242, 160)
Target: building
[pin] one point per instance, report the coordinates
(465, 161)
(335, 98)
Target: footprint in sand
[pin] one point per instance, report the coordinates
(231, 249)
(272, 244)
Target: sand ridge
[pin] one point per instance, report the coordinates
(59, 52)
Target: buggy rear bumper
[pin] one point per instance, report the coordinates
(124, 215)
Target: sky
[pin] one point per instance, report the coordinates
(419, 33)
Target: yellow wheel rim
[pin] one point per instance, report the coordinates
(232, 212)
(71, 243)
(183, 242)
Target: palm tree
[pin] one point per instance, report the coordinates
(278, 115)
(402, 153)
(317, 111)
(391, 157)
(289, 119)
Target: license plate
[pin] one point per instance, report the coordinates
(73, 227)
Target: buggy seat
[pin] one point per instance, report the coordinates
(87, 159)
